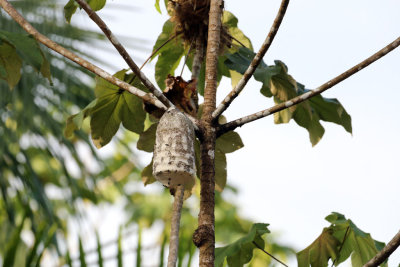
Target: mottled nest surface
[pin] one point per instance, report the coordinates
(191, 19)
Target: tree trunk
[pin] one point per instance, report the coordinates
(204, 236)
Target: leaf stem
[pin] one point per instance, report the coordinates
(149, 98)
(253, 65)
(124, 54)
(301, 98)
(269, 254)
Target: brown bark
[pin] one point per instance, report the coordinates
(204, 236)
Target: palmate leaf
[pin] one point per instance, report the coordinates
(240, 252)
(15, 48)
(114, 106)
(325, 247)
(330, 246)
(279, 84)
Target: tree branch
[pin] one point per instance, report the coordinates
(204, 236)
(294, 101)
(385, 252)
(196, 66)
(175, 224)
(149, 98)
(124, 54)
(256, 61)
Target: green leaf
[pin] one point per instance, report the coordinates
(71, 7)
(240, 252)
(74, 122)
(10, 64)
(113, 106)
(82, 255)
(39, 235)
(169, 56)
(99, 253)
(147, 174)
(229, 142)
(105, 119)
(119, 248)
(220, 170)
(325, 247)
(157, 5)
(50, 235)
(277, 83)
(12, 245)
(358, 244)
(139, 248)
(231, 22)
(147, 139)
(28, 50)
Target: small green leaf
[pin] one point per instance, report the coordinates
(99, 250)
(147, 174)
(74, 122)
(231, 22)
(12, 245)
(82, 255)
(169, 56)
(10, 64)
(147, 139)
(69, 9)
(220, 170)
(119, 248)
(240, 252)
(229, 142)
(157, 5)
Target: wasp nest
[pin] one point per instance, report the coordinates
(191, 18)
(174, 157)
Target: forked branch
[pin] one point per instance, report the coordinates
(124, 54)
(149, 98)
(294, 101)
(385, 252)
(254, 64)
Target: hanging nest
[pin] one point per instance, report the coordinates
(191, 19)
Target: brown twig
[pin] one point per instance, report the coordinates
(269, 254)
(149, 98)
(196, 66)
(124, 54)
(385, 252)
(294, 101)
(253, 65)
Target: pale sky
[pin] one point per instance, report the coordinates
(282, 179)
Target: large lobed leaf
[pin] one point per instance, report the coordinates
(240, 252)
(337, 242)
(279, 84)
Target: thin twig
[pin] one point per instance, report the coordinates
(269, 254)
(158, 48)
(294, 101)
(124, 54)
(385, 252)
(341, 245)
(187, 55)
(253, 65)
(196, 66)
(175, 224)
(149, 98)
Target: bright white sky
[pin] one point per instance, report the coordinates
(282, 179)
